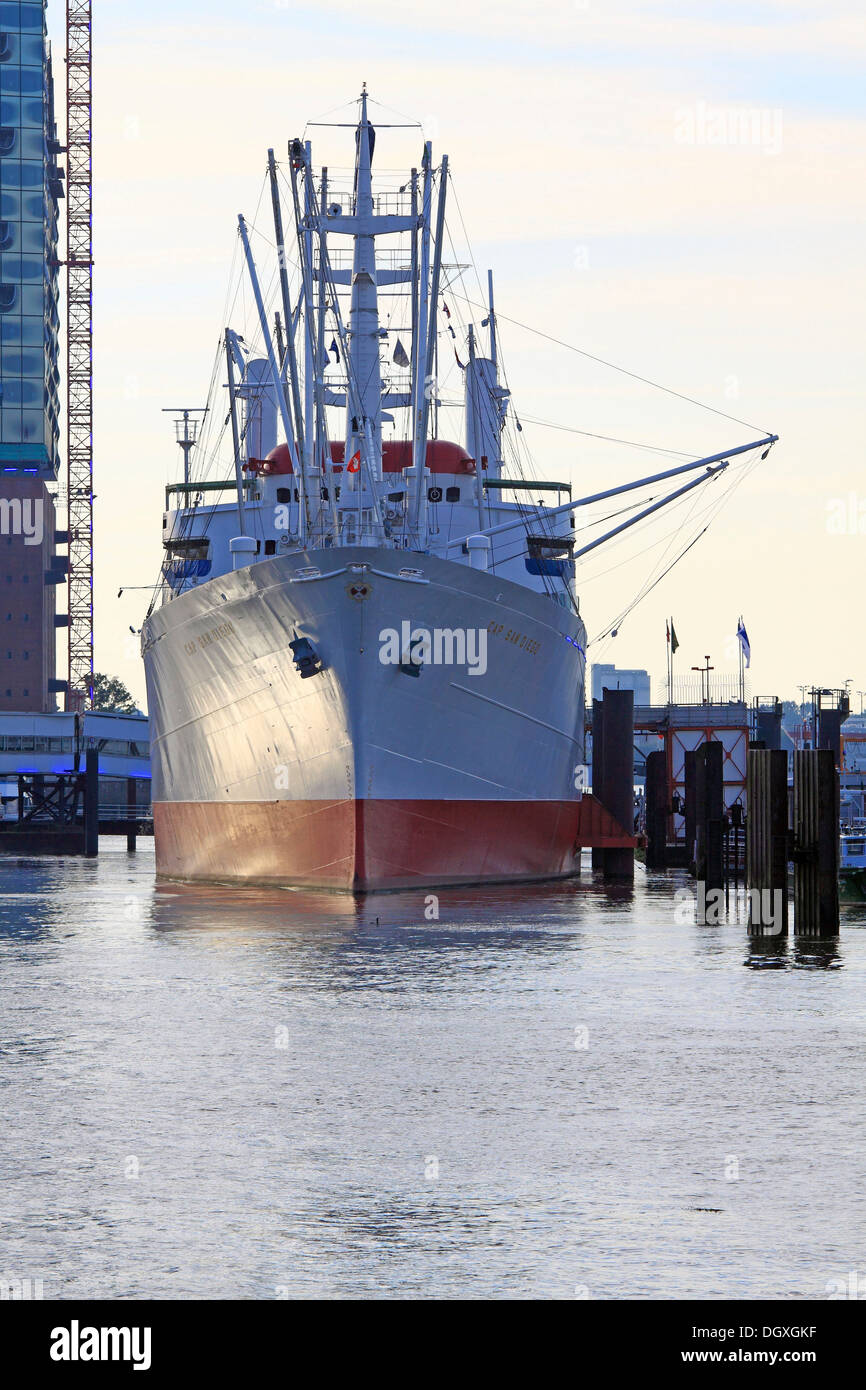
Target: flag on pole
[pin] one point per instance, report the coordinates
(354, 462)
(335, 350)
(743, 638)
(673, 643)
(401, 356)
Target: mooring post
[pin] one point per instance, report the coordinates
(709, 808)
(816, 842)
(768, 725)
(657, 809)
(598, 768)
(830, 723)
(131, 807)
(690, 794)
(767, 841)
(91, 803)
(618, 722)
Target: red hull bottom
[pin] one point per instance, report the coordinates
(365, 846)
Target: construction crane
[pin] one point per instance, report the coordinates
(79, 350)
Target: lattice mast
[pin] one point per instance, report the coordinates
(79, 347)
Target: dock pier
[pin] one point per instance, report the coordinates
(68, 778)
(723, 805)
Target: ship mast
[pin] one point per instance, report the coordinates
(364, 312)
(361, 337)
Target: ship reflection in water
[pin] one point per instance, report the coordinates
(545, 1090)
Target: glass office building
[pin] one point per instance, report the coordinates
(30, 185)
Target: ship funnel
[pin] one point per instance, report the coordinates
(260, 403)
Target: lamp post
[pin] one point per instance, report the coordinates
(705, 671)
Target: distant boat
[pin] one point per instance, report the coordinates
(852, 865)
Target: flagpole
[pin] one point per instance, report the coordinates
(667, 655)
(671, 666)
(670, 660)
(742, 666)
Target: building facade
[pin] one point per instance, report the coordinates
(613, 678)
(30, 189)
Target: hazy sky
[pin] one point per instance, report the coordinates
(584, 139)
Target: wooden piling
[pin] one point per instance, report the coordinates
(816, 842)
(690, 791)
(618, 724)
(768, 725)
(830, 723)
(767, 840)
(131, 812)
(598, 768)
(657, 809)
(709, 807)
(91, 804)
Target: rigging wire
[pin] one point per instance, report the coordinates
(614, 627)
(624, 371)
(712, 510)
(608, 438)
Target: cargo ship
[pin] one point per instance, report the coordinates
(365, 665)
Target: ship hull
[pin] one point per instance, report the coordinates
(364, 777)
(362, 845)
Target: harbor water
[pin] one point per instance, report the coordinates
(564, 1090)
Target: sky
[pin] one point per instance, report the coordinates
(673, 187)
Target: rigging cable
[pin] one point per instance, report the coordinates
(635, 376)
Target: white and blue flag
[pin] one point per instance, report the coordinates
(743, 638)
